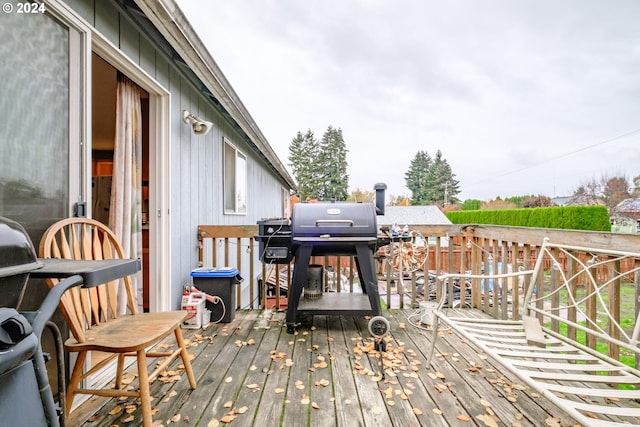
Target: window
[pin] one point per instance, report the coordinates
(285, 203)
(235, 180)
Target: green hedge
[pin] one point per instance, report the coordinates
(594, 218)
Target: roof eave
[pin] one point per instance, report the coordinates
(171, 22)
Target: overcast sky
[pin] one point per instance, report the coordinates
(522, 97)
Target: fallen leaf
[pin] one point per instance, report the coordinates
(115, 410)
(279, 391)
(242, 409)
(228, 379)
(322, 383)
(228, 404)
(417, 411)
(436, 411)
(128, 378)
(176, 418)
(388, 393)
(213, 423)
(440, 387)
(314, 405)
(228, 418)
(553, 422)
(487, 420)
(463, 417)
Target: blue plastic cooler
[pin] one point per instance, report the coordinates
(218, 282)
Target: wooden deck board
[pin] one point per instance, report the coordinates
(345, 391)
(239, 376)
(475, 377)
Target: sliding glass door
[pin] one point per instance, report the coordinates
(40, 119)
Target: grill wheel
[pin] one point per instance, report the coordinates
(378, 326)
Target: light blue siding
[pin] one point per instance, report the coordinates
(195, 161)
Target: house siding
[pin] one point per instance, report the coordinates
(196, 183)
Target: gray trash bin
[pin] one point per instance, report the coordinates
(218, 282)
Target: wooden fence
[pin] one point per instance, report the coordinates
(452, 248)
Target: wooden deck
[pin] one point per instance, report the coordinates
(251, 372)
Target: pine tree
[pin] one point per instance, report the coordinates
(443, 188)
(320, 168)
(332, 166)
(416, 177)
(431, 180)
(303, 151)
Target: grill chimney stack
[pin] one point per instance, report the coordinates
(380, 190)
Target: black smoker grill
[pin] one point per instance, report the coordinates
(24, 386)
(328, 228)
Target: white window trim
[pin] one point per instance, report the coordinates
(238, 152)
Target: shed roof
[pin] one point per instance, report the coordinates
(413, 215)
(628, 205)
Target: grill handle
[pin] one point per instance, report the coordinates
(334, 221)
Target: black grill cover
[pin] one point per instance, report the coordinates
(17, 260)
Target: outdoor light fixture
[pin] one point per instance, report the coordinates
(200, 126)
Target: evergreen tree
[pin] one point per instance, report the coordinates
(431, 180)
(441, 183)
(303, 151)
(320, 167)
(332, 166)
(416, 177)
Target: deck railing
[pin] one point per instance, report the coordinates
(451, 248)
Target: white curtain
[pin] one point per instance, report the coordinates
(125, 217)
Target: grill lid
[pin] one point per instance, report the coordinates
(17, 260)
(352, 221)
